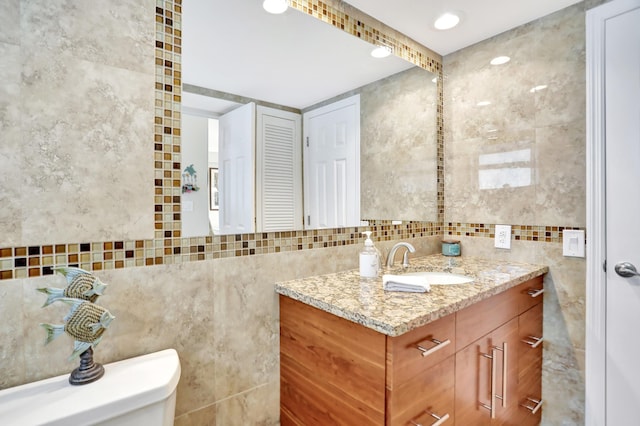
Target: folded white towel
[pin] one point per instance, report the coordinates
(410, 283)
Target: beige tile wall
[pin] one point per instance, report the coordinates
(539, 133)
(216, 311)
(76, 115)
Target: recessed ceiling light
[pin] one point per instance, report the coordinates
(499, 60)
(381, 52)
(483, 103)
(434, 80)
(446, 21)
(275, 6)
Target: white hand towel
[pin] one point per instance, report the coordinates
(409, 283)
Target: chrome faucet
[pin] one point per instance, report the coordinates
(405, 258)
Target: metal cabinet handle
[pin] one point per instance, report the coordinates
(439, 419)
(494, 395)
(439, 345)
(504, 374)
(535, 292)
(534, 409)
(537, 341)
(492, 407)
(626, 270)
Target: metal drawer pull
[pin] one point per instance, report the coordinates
(439, 420)
(439, 345)
(535, 408)
(537, 341)
(535, 293)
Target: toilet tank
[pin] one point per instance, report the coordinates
(134, 392)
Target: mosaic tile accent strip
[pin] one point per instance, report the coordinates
(341, 20)
(34, 261)
(547, 234)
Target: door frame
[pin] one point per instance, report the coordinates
(595, 370)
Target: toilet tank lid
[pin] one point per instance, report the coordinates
(126, 385)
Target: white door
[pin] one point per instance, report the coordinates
(622, 106)
(235, 170)
(613, 341)
(332, 165)
(278, 170)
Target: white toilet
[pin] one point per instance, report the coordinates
(134, 392)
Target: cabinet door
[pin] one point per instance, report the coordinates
(332, 371)
(487, 378)
(425, 399)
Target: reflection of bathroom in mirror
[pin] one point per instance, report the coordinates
(293, 64)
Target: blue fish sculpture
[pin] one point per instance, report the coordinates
(86, 322)
(80, 285)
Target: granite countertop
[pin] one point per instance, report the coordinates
(363, 301)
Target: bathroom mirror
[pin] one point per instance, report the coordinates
(237, 52)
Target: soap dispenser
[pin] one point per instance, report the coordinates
(369, 258)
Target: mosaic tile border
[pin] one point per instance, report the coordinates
(168, 247)
(35, 261)
(340, 19)
(547, 234)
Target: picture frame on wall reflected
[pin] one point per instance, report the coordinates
(214, 200)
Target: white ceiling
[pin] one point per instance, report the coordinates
(294, 60)
(479, 19)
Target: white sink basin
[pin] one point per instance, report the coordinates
(442, 278)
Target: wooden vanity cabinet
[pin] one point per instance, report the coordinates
(336, 372)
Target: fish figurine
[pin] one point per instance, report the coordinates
(80, 285)
(85, 322)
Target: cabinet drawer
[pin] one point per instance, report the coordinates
(530, 294)
(425, 398)
(483, 317)
(412, 353)
(530, 335)
(529, 395)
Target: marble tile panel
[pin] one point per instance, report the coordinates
(203, 417)
(558, 62)
(10, 21)
(178, 312)
(12, 369)
(562, 102)
(561, 170)
(566, 296)
(248, 356)
(562, 386)
(106, 113)
(259, 407)
(11, 164)
(481, 178)
(398, 147)
(117, 34)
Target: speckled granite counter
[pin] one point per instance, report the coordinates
(348, 296)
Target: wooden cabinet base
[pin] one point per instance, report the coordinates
(336, 372)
